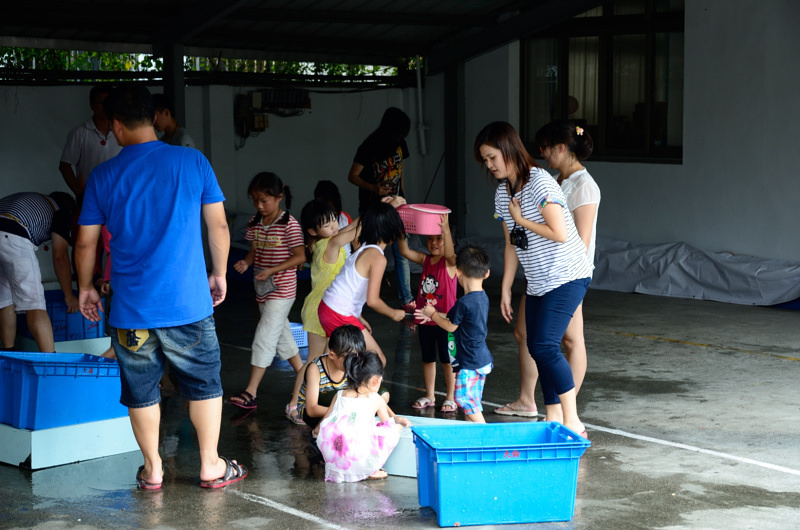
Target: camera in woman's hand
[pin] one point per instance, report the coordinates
(518, 238)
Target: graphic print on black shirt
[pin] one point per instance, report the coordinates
(427, 290)
(389, 170)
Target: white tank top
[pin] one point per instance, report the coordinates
(347, 293)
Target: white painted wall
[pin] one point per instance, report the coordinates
(736, 189)
(321, 144)
(301, 150)
(34, 122)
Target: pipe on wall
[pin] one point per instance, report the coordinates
(420, 120)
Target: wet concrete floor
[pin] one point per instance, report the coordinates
(692, 408)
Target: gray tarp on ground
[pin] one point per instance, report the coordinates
(683, 271)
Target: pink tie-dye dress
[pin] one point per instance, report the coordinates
(352, 441)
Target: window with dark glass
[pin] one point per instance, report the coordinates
(616, 71)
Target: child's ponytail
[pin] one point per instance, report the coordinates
(287, 199)
(360, 367)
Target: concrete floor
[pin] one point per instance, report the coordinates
(692, 409)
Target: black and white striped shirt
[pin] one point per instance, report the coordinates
(35, 214)
(547, 263)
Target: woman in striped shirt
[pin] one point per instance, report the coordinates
(540, 234)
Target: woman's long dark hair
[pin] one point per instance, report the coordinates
(576, 139)
(503, 137)
(394, 127)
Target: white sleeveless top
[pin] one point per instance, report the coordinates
(347, 293)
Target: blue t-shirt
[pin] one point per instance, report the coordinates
(471, 313)
(150, 198)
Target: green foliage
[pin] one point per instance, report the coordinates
(261, 66)
(72, 60)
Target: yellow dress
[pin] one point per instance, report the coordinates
(322, 274)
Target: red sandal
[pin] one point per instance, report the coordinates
(234, 472)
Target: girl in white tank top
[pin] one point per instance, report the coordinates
(359, 280)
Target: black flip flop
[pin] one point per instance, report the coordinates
(248, 402)
(143, 484)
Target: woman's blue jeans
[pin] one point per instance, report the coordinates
(546, 320)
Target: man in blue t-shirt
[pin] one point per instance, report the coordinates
(151, 197)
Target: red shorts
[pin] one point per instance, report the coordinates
(330, 319)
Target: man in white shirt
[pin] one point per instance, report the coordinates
(88, 144)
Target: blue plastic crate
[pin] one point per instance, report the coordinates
(66, 326)
(299, 334)
(5, 391)
(497, 473)
(46, 390)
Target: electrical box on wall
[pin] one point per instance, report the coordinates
(285, 98)
(247, 118)
(255, 99)
(260, 122)
(283, 102)
(250, 111)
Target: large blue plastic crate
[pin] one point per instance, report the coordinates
(66, 326)
(496, 473)
(46, 390)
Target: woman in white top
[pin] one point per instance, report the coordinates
(564, 146)
(540, 234)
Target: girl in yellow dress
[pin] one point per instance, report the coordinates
(328, 253)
